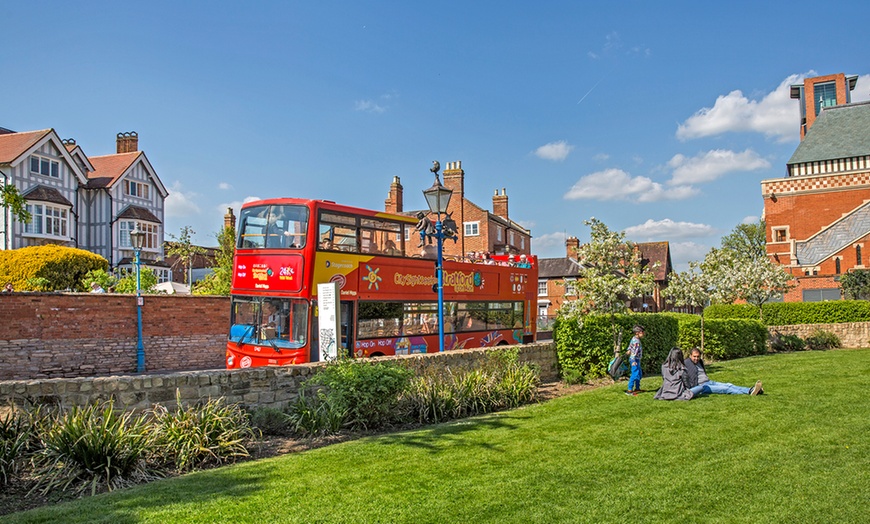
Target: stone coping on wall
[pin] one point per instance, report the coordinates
(253, 387)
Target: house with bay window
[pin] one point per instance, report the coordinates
(91, 203)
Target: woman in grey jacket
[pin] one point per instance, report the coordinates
(673, 375)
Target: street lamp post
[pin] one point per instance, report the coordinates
(438, 198)
(137, 239)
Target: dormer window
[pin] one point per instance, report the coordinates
(40, 165)
(136, 189)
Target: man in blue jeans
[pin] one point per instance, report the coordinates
(699, 383)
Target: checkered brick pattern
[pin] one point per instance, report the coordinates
(815, 183)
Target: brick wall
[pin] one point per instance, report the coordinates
(254, 387)
(46, 335)
(852, 334)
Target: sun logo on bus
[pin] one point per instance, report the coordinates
(373, 278)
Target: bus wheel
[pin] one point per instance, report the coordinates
(376, 354)
(502, 343)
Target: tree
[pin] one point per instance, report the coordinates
(733, 277)
(220, 280)
(747, 239)
(183, 248)
(690, 288)
(612, 274)
(856, 284)
(147, 281)
(11, 198)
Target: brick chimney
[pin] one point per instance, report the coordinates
(454, 178)
(500, 204)
(230, 219)
(394, 203)
(127, 142)
(572, 244)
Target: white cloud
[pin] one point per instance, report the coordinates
(750, 219)
(236, 205)
(556, 151)
(667, 229)
(776, 115)
(684, 252)
(711, 165)
(616, 184)
(368, 106)
(224, 186)
(550, 245)
(601, 157)
(179, 203)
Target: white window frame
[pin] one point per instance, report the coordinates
(499, 233)
(137, 189)
(47, 216)
(775, 230)
(542, 288)
(151, 230)
(51, 166)
(569, 288)
(471, 229)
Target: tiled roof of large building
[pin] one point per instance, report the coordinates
(46, 194)
(13, 145)
(839, 132)
(139, 213)
(557, 268)
(108, 168)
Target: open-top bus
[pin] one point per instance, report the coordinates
(386, 287)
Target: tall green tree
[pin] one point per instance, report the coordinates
(856, 284)
(183, 248)
(220, 280)
(748, 240)
(10, 197)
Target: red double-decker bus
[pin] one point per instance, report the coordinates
(386, 287)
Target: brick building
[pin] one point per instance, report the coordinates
(479, 230)
(818, 215)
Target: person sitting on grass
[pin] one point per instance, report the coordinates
(700, 384)
(674, 378)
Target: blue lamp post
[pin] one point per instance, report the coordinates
(137, 239)
(438, 198)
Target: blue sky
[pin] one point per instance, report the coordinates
(658, 118)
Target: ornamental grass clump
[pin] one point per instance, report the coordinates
(16, 442)
(822, 340)
(213, 433)
(91, 447)
(316, 414)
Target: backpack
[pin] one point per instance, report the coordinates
(616, 368)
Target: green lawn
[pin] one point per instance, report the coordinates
(799, 453)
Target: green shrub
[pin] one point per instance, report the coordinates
(48, 268)
(821, 340)
(584, 346)
(367, 391)
(320, 414)
(828, 312)
(780, 342)
(94, 447)
(271, 421)
(720, 311)
(502, 382)
(201, 435)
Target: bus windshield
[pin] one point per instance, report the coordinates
(275, 226)
(270, 321)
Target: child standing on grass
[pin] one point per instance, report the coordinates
(635, 351)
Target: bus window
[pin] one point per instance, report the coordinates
(278, 322)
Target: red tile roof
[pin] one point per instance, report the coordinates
(13, 145)
(108, 168)
(652, 252)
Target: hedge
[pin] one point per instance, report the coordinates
(724, 339)
(747, 311)
(585, 346)
(833, 311)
